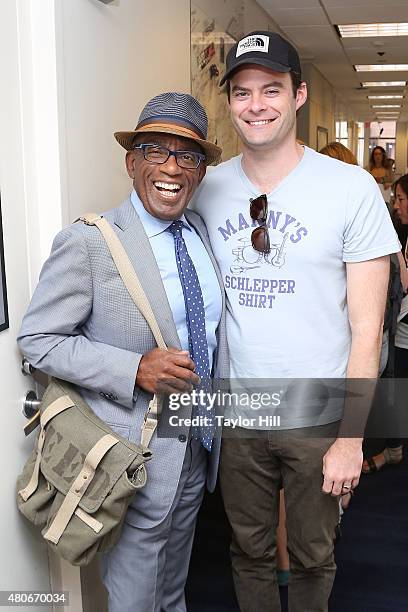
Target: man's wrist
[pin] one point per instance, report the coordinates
(349, 442)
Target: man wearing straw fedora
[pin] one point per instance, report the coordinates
(83, 327)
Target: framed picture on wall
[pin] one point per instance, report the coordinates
(4, 319)
(322, 137)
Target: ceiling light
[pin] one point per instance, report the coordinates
(386, 106)
(380, 67)
(385, 97)
(383, 84)
(360, 30)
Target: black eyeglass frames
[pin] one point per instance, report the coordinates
(156, 154)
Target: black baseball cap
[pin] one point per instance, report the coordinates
(266, 49)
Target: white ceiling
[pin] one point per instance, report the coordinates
(309, 24)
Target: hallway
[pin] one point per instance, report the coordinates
(371, 555)
(78, 71)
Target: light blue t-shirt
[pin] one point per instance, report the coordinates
(287, 311)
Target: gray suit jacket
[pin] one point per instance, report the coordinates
(83, 327)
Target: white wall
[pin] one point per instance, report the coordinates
(40, 118)
(212, 22)
(23, 560)
(319, 110)
(112, 58)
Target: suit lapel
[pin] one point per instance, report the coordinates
(137, 246)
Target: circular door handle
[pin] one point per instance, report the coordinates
(31, 404)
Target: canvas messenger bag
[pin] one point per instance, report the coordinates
(81, 476)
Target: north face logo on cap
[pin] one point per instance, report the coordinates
(253, 43)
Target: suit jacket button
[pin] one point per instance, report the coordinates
(182, 438)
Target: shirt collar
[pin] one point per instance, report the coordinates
(152, 225)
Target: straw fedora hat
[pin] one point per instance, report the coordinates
(174, 113)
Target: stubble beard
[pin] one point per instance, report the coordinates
(270, 141)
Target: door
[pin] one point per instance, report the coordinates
(24, 560)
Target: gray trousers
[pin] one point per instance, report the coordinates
(252, 471)
(147, 570)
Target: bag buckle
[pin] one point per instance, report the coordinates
(139, 477)
(88, 218)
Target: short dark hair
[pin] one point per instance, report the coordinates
(296, 81)
(295, 78)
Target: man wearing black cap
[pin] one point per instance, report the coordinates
(82, 326)
(302, 241)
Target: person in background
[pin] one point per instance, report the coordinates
(339, 151)
(393, 451)
(380, 167)
(397, 214)
(282, 555)
(401, 340)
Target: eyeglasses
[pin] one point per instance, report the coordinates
(260, 236)
(156, 154)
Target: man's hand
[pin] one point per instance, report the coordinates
(166, 371)
(342, 466)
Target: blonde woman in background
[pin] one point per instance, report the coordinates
(339, 151)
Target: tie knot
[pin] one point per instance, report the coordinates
(176, 228)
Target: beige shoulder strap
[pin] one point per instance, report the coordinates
(55, 408)
(78, 488)
(136, 291)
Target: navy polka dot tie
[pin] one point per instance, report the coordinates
(195, 319)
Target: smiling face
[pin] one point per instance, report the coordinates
(378, 157)
(401, 205)
(263, 107)
(164, 189)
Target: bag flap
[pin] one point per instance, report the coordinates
(70, 436)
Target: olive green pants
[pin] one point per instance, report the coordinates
(252, 471)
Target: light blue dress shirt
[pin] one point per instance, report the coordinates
(162, 243)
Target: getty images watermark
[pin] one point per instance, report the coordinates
(241, 404)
